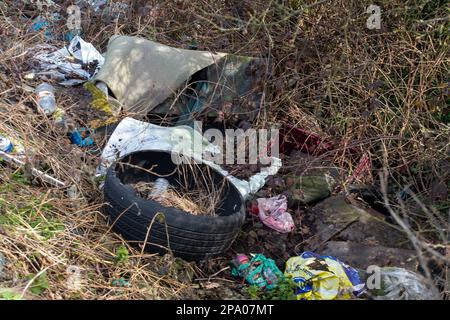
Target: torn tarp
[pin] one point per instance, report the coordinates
(145, 76)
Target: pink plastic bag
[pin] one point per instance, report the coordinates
(272, 212)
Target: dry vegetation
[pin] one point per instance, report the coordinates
(384, 93)
(199, 199)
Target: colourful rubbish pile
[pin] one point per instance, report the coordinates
(259, 271)
(323, 277)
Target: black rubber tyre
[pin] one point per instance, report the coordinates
(161, 228)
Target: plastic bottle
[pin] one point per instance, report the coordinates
(159, 188)
(46, 98)
(5, 144)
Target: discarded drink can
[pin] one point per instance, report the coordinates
(46, 98)
(6, 144)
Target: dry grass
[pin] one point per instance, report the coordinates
(196, 202)
(194, 189)
(382, 92)
(43, 231)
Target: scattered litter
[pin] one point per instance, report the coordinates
(41, 23)
(54, 75)
(82, 137)
(11, 139)
(152, 73)
(79, 61)
(402, 284)
(273, 214)
(13, 152)
(6, 145)
(133, 135)
(259, 271)
(45, 97)
(323, 277)
(46, 101)
(72, 34)
(13, 160)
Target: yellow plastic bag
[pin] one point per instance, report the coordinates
(322, 277)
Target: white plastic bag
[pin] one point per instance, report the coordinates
(402, 284)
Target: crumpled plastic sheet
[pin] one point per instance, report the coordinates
(402, 284)
(132, 135)
(71, 61)
(259, 271)
(323, 277)
(273, 213)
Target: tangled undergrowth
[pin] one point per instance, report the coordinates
(380, 93)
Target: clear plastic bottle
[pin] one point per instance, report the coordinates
(159, 188)
(5, 144)
(46, 98)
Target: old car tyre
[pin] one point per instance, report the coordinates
(161, 228)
